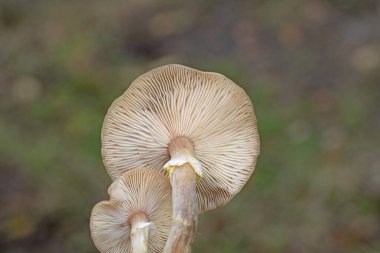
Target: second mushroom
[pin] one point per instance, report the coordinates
(137, 216)
(198, 127)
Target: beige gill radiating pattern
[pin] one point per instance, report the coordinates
(207, 108)
(138, 190)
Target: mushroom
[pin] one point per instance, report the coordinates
(138, 215)
(199, 126)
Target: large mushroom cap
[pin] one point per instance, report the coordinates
(136, 192)
(214, 113)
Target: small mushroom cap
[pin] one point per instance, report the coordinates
(214, 113)
(134, 192)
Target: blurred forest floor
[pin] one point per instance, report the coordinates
(311, 68)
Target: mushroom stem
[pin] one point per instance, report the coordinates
(139, 232)
(183, 171)
(185, 210)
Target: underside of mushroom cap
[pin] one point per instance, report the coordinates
(136, 192)
(210, 110)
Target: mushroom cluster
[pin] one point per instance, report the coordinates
(194, 132)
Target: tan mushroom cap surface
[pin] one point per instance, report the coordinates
(134, 192)
(207, 108)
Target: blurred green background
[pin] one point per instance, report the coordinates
(312, 69)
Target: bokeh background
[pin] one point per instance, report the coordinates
(311, 68)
